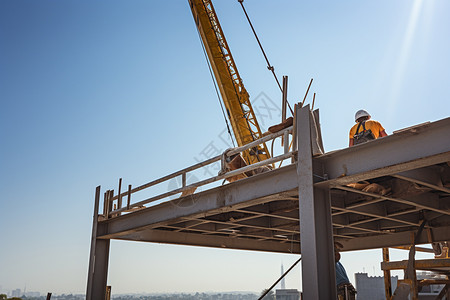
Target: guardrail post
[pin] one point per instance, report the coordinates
(119, 197)
(286, 141)
(129, 197)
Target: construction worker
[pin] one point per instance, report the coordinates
(365, 129)
(441, 250)
(345, 289)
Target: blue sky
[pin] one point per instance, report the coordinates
(92, 91)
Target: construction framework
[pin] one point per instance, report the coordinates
(265, 212)
(439, 267)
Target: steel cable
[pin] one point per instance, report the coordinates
(269, 66)
(215, 87)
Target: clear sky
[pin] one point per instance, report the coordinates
(92, 91)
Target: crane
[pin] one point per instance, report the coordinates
(234, 95)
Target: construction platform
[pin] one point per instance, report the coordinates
(264, 212)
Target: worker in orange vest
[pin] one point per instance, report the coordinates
(365, 129)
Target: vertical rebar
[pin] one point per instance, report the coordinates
(387, 275)
(284, 99)
(107, 199)
(306, 94)
(286, 142)
(314, 99)
(110, 202)
(183, 179)
(129, 197)
(294, 133)
(119, 197)
(105, 207)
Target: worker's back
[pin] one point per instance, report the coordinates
(372, 125)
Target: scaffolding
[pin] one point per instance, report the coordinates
(411, 284)
(300, 208)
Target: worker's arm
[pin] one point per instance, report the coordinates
(351, 142)
(383, 133)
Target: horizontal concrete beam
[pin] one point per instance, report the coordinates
(229, 242)
(255, 190)
(411, 149)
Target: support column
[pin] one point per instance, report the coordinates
(387, 275)
(316, 232)
(99, 257)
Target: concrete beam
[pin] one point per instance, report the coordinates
(411, 149)
(215, 241)
(241, 194)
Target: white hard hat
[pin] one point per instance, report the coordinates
(361, 113)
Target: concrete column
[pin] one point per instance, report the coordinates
(99, 258)
(316, 233)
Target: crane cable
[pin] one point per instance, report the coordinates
(215, 86)
(271, 68)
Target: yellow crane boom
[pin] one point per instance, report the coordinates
(234, 95)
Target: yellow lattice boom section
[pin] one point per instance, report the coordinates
(234, 95)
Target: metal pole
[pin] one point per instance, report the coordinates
(110, 202)
(119, 199)
(129, 196)
(286, 142)
(387, 275)
(284, 99)
(93, 245)
(314, 100)
(105, 204)
(306, 94)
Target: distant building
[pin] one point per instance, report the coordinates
(32, 294)
(372, 288)
(287, 294)
(283, 283)
(16, 293)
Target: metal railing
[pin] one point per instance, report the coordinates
(109, 196)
